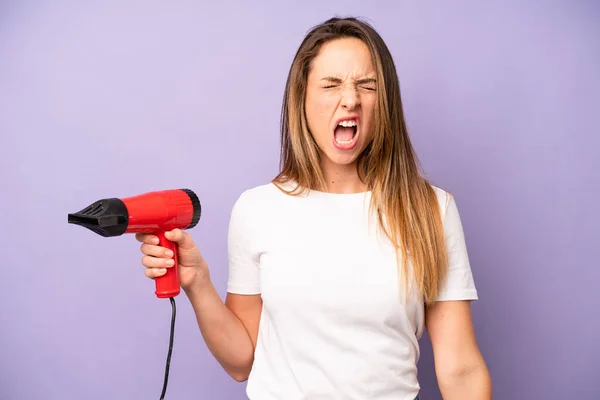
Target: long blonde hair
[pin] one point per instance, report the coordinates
(404, 202)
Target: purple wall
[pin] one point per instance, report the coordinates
(102, 100)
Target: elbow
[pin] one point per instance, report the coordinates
(470, 371)
(240, 375)
(240, 366)
(459, 372)
(473, 379)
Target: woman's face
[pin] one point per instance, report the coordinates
(340, 100)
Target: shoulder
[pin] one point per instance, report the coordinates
(257, 195)
(444, 198)
(450, 215)
(255, 210)
(255, 201)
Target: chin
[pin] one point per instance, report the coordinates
(346, 158)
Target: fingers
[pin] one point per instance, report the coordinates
(156, 251)
(146, 238)
(156, 266)
(176, 235)
(156, 258)
(153, 273)
(157, 262)
(182, 238)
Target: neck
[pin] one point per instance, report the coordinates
(342, 178)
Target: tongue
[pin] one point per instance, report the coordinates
(344, 134)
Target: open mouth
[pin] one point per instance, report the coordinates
(346, 133)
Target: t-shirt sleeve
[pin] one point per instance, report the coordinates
(244, 272)
(459, 284)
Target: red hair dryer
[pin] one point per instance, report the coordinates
(153, 212)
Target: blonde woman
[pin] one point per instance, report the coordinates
(338, 265)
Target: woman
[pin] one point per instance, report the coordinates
(338, 264)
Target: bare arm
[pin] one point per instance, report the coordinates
(460, 368)
(229, 329)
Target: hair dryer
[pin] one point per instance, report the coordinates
(153, 212)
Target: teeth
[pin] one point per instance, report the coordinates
(344, 141)
(347, 123)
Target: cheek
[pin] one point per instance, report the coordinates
(368, 111)
(319, 111)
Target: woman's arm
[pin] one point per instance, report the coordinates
(460, 368)
(229, 329)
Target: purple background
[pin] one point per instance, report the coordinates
(102, 99)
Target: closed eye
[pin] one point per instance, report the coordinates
(368, 84)
(362, 87)
(365, 84)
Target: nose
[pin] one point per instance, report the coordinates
(350, 98)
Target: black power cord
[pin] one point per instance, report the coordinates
(173, 313)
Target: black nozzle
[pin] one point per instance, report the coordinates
(106, 217)
(197, 208)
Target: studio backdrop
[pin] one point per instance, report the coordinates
(116, 98)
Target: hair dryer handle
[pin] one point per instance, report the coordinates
(168, 285)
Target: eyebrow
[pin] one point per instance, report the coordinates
(359, 81)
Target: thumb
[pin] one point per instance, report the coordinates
(183, 239)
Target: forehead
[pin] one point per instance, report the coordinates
(347, 57)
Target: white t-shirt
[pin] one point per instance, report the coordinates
(334, 324)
